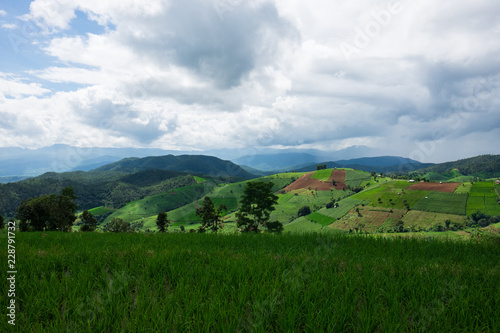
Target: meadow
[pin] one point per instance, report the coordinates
(332, 282)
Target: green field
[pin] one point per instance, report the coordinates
(355, 178)
(316, 282)
(321, 219)
(483, 197)
(152, 205)
(323, 175)
(424, 220)
(392, 194)
(442, 202)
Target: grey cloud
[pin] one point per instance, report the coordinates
(222, 49)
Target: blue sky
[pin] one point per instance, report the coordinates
(416, 79)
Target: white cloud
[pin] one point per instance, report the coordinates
(9, 26)
(206, 74)
(3, 12)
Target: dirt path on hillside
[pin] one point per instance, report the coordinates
(306, 182)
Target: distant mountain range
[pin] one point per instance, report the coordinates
(18, 163)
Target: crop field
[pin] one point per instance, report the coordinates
(321, 219)
(391, 195)
(441, 187)
(369, 219)
(330, 282)
(424, 220)
(464, 188)
(442, 202)
(354, 178)
(289, 203)
(323, 175)
(483, 197)
(344, 206)
(302, 225)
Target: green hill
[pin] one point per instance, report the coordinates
(193, 164)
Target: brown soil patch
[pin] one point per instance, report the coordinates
(306, 182)
(444, 187)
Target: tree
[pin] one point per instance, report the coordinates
(48, 212)
(304, 211)
(2, 225)
(89, 221)
(118, 225)
(257, 203)
(210, 216)
(162, 222)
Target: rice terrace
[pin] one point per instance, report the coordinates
(336, 249)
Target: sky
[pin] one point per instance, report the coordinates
(418, 79)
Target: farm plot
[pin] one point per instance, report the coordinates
(424, 220)
(483, 197)
(369, 218)
(344, 206)
(354, 178)
(310, 183)
(391, 195)
(322, 175)
(320, 218)
(442, 202)
(441, 187)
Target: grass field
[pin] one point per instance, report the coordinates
(483, 197)
(441, 202)
(321, 219)
(344, 206)
(328, 282)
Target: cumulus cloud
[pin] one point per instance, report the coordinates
(228, 73)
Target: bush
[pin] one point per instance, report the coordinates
(306, 210)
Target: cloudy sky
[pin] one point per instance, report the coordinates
(417, 78)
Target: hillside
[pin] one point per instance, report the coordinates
(194, 164)
(380, 164)
(484, 166)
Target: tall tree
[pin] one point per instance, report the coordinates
(2, 223)
(162, 222)
(211, 217)
(48, 212)
(257, 203)
(89, 221)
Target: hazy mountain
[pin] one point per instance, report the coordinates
(196, 164)
(292, 159)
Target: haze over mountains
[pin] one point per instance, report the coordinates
(18, 162)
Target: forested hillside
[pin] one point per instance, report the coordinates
(482, 166)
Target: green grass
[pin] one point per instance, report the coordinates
(463, 188)
(323, 175)
(315, 282)
(101, 210)
(441, 202)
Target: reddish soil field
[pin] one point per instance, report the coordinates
(306, 182)
(444, 187)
